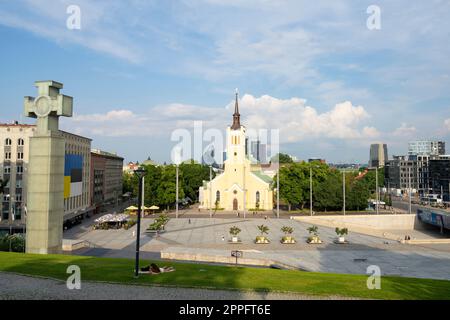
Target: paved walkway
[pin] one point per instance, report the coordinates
(210, 236)
(14, 287)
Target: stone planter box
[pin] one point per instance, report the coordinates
(341, 240)
(261, 240)
(314, 240)
(234, 240)
(288, 240)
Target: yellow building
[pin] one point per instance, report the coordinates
(241, 187)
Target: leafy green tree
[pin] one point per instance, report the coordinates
(328, 194)
(166, 190)
(358, 195)
(128, 183)
(193, 175)
(283, 158)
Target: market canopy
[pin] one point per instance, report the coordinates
(154, 208)
(132, 208)
(112, 218)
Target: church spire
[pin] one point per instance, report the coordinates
(236, 116)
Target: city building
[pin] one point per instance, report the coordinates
(106, 178)
(258, 151)
(401, 173)
(378, 155)
(240, 187)
(439, 176)
(130, 167)
(426, 147)
(14, 160)
(14, 157)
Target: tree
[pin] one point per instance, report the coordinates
(193, 175)
(328, 194)
(358, 195)
(282, 158)
(128, 182)
(166, 190)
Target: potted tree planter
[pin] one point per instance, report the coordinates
(314, 235)
(341, 235)
(287, 239)
(262, 239)
(234, 231)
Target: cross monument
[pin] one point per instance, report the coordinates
(45, 198)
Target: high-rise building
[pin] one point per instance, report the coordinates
(378, 155)
(426, 147)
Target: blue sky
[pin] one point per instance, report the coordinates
(140, 69)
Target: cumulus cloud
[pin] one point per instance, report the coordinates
(293, 117)
(447, 125)
(404, 131)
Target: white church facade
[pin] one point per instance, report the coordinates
(241, 186)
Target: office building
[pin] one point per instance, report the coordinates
(426, 147)
(378, 155)
(106, 178)
(14, 160)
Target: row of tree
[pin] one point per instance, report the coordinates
(160, 183)
(327, 185)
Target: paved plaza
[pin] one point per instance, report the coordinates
(210, 236)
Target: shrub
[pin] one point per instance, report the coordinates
(287, 230)
(17, 242)
(234, 231)
(263, 229)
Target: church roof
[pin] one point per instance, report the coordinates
(236, 116)
(262, 176)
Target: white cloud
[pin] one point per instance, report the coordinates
(404, 131)
(447, 125)
(295, 120)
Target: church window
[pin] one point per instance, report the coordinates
(235, 191)
(257, 196)
(8, 141)
(217, 196)
(20, 142)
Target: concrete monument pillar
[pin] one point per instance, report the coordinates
(45, 204)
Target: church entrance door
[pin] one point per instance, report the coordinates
(235, 204)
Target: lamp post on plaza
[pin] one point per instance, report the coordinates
(210, 191)
(311, 189)
(343, 191)
(176, 192)
(278, 191)
(140, 173)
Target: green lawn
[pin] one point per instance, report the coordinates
(225, 277)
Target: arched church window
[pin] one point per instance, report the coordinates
(20, 142)
(257, 196)
(218, 196)
(7, 141)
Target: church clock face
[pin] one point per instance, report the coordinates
(42, 106)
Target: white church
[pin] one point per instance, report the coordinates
(242, 186)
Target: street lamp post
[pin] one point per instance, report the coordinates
(377, 190)
(210, 191)
(343, 190)
(176, 193)
(409, 189)
(310, 192)
(140, 173)
(278, 191)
